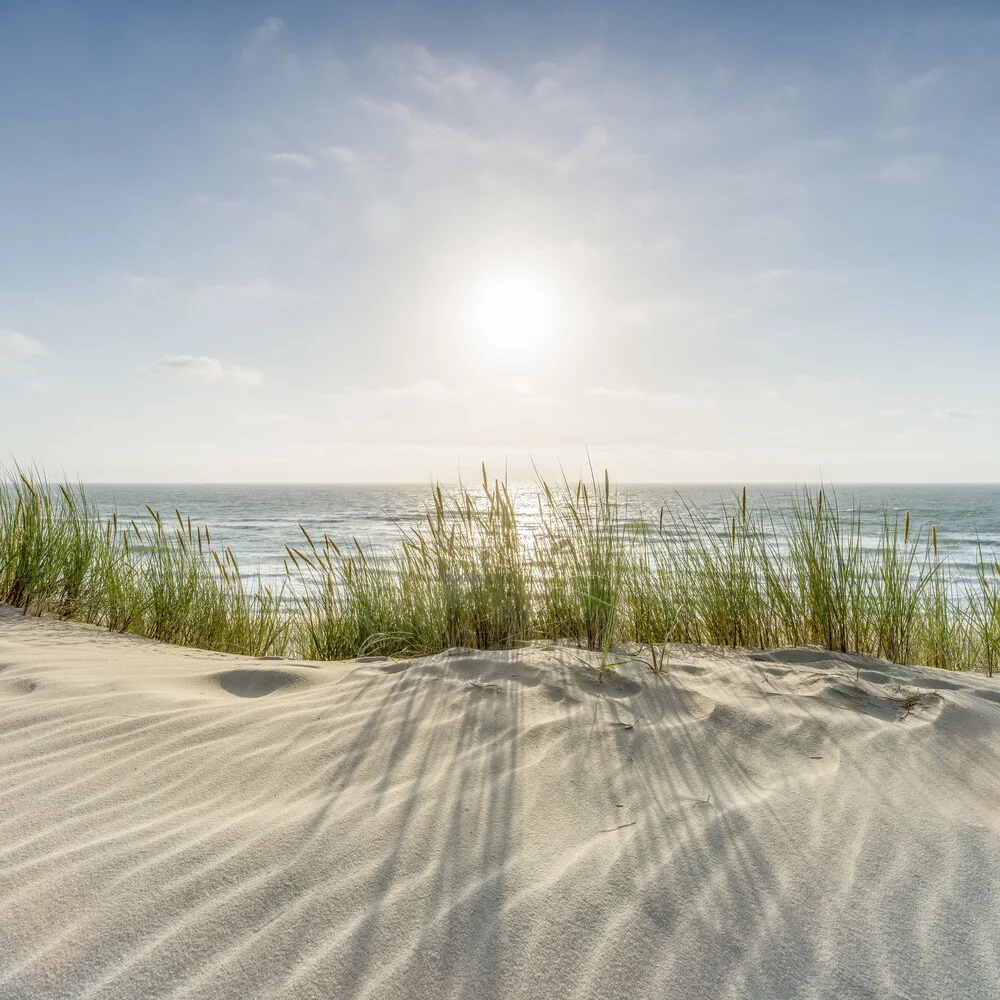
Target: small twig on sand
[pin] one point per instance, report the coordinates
(628, 725)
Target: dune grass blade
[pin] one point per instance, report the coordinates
(58, 556)
(589, 568)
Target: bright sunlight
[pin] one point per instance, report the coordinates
(512, 311)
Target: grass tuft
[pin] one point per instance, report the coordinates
(590, 569)
(58, 556)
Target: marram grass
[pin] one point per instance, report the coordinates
(588, 569)
(156, 579)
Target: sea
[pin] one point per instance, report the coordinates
(257, 521)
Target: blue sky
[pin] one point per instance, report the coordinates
(731, 242)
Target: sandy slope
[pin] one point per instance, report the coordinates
(182, 824)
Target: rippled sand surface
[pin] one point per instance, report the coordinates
(793, 824)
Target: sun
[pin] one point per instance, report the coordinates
(512, 311)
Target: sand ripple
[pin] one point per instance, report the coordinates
(798, 824)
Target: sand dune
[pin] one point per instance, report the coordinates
(796, 824)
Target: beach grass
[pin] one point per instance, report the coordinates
(59, 556)
(590, 568)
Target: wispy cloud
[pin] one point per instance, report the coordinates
(906, 96)
(147, 281)
(637, 395)
(256, 289)
(449, 78)
(349, 159)
(15, 345)
(608, 393)
(952, 413)
(203, 368)
(292, 159)
(422, 389)
(913, 169)
(448, 109)
(262, 37)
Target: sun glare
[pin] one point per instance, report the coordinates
(512, 311)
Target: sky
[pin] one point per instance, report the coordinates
(341, 242)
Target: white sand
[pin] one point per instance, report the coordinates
(182, 824)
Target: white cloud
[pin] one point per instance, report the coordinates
(257, 289)
(586, 151)
(348, 159)
(452, 111)
(529, 395)
(263, 35)
(449, 78)
(432, 139)
(603, 390)
(704, 398)
(207, 369)
(146, 281)
(906, 96)
(951, 413)
(17, 345)
(911, 169)
(293, 159)
(425, 388)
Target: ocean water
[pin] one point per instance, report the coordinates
(258, 521)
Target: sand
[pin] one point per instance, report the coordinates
(796, 824)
